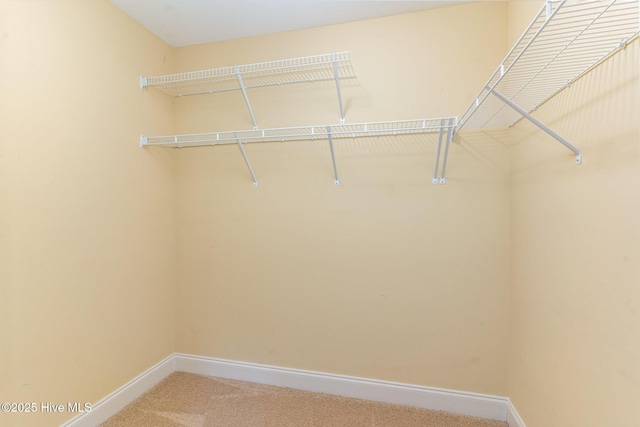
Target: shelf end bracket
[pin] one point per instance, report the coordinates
(144, 140)
(144, 82)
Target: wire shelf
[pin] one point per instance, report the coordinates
(443, 127)
(273, 73)
(302, 133)
(565, 40)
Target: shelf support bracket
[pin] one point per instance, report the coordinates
(246, 98)
(337, 74)
(246, 160)
(440, 133)
(333, 157)
(538, 123)
(450, 137)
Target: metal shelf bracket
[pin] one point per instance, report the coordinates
(246, 98)
(446, 132)
(440, 134)
(333, 156)
(246, 160)
(538, 123)
(337, 74)
(450, 137)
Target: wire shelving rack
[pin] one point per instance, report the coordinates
(565, 40)
(443, 127)
(332, 66)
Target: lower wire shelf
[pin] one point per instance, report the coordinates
(443, 127)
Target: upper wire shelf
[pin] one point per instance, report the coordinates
(565, 40)
(272, 73)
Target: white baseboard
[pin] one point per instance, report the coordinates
(459, 402)
(479, 405)
(113, 403)
(513, 418)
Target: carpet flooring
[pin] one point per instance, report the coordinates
(189, 400)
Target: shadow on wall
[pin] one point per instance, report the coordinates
(488, 149)
(384, 160)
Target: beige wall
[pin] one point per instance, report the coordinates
(521, 13)
(112, 257)
(87, 236)
(575, 257)
(385, 276)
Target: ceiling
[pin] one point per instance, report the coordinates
(188, 22)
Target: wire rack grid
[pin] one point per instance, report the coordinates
(565, 40)
(272, 73)
(303, 133)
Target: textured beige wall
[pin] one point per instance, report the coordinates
(575, 255)
(521, 13)
(86, 216)
(385, 276)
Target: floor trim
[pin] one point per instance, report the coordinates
(459, 402)
(114, 402)
(513, 418)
